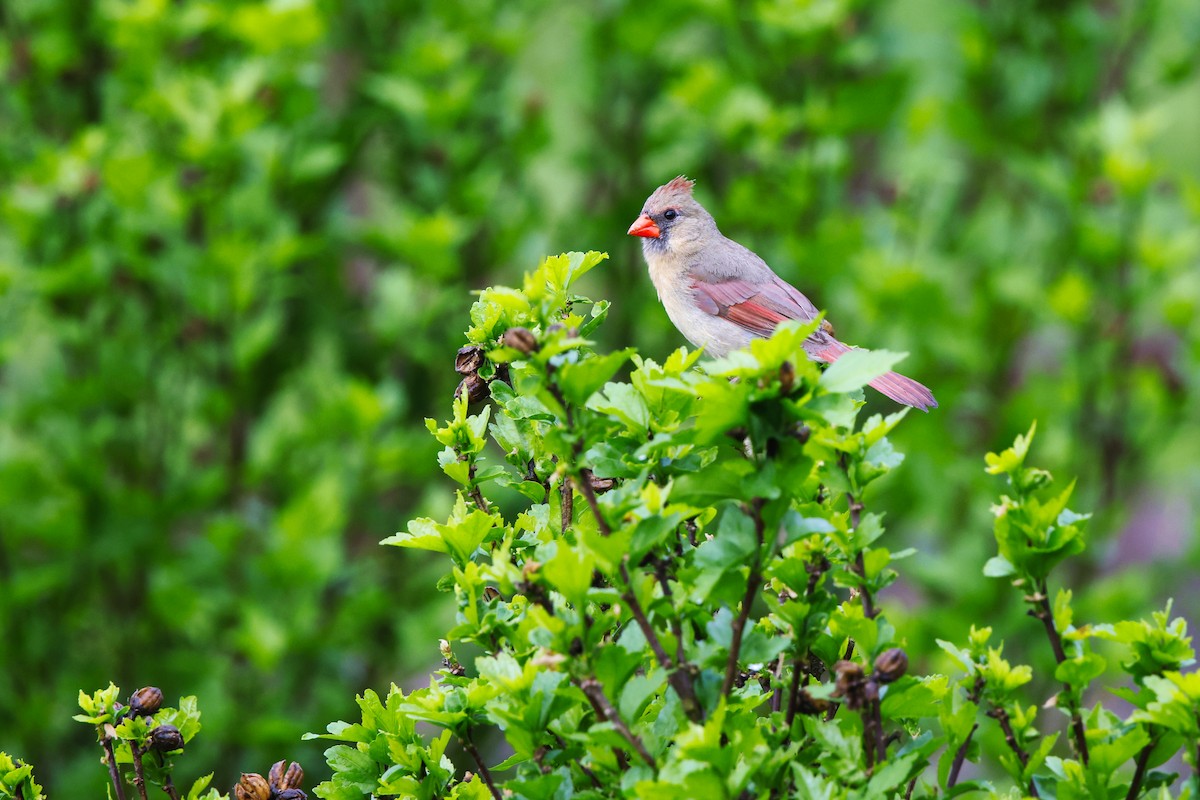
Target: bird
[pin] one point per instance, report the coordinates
(721, 295)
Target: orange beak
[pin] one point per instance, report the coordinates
(644, 226)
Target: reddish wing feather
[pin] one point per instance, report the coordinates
(756, 307)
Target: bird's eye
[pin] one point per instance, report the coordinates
(670, 213)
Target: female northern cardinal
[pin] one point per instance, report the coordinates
(721, 296)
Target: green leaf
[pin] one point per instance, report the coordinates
(578, 381)
(857, 368)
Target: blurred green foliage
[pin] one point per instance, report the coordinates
(235, 238)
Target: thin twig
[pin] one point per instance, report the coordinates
(959, 756)
(753, 583)
(470, 747)
(169, 787)
(681, 678)
(476, 494)
(1010, 739)
(113, 773)
(585, 489)
(595, 692)
(1139, 771)
(1042, 611)
(139, 775)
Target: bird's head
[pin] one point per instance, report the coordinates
(671, 218)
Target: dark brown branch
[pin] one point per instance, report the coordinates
(169, 787)
(679, 677)
(753, 583)
(476, 494)
(1139, 772)
(139, 775)
(113, 773)
(1041, 602)
(470, 747)
(585, 489)
(959, 757)
(595, 693)
(1010, 739)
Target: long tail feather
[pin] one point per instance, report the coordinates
(903, 390)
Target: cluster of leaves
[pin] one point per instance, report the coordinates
(141, 737)
(231, 232)
(140, 740)
(670, 588)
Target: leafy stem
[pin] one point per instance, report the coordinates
(470, 747)
(1041, 610)
(595, 693)
(139, 774)
(753, 584)
(1139, 772)
(1010, 738)
(113, 774)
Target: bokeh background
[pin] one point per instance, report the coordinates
(237, 240)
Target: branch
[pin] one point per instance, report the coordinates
(753, 583)
(139, 775)
(113, 773)
(1042, 611)
(595, 692)
(1139, 772)
(680, 679)
(1010, 739)
(585, 489)
(960, 756)
(469, 746)
(476, 494)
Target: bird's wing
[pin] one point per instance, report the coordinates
(756, 307)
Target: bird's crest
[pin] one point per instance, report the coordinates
(672, 191)
(680, 183)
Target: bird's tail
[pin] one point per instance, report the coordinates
(903, 390)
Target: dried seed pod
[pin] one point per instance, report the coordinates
(468, 360)
(851, 685)
(145, 701)
(474, 387)
(166, 738)
(252, 786)
(291, 794)
(293, 776)
(890, 665)
(520, 339)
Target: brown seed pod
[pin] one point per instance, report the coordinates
(145, 701)
(166, 738)
(890, 665)
(474, 387)
(520, 339)
(468, 360)
(252, 786)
